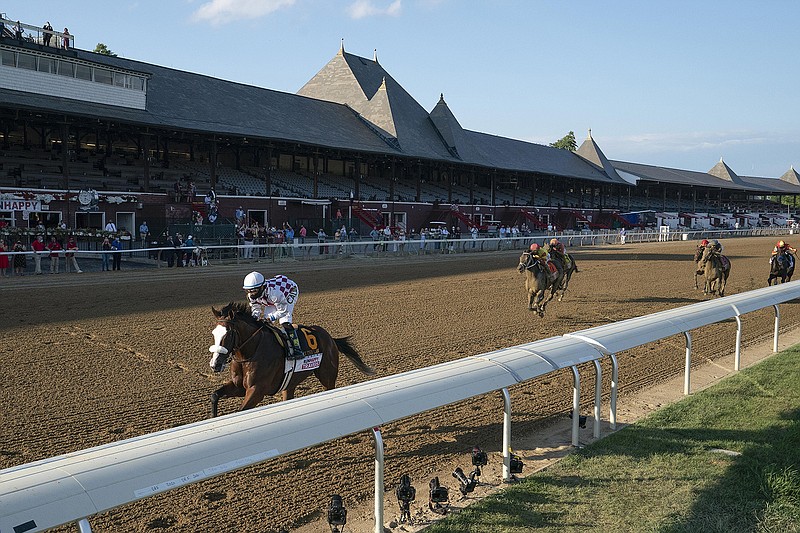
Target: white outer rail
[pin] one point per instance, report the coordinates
(75, 486)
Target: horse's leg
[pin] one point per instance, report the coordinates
(287, 394)
(227, 390)
(252, 396)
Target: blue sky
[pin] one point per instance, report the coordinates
(673, 83)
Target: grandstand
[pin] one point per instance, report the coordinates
(75, 120)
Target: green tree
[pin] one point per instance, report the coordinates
(567, 142)
(103, 49)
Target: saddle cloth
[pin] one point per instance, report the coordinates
(310, 346)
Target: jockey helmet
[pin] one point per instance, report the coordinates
(554, 242)
(534, 247)
(781, 244)
(254, 284)
(704, 242)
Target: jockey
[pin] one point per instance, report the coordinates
(539, 253)
(556, 248)
(715, 245)
(784, 246)
(543, 257)
(273, 300)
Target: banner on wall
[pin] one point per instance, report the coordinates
(20, 205)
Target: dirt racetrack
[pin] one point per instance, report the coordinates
(93, 358)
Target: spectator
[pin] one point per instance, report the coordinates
(38, 247)
(622, 235)
(65, 41)
(249, 238)
(302, 234)
(70, 256)
(3, 258)
(188, 254)
(474, 232)
(20, 260)
(55, 254)
(177, 242)
(321, 237)
(116, 259)
(212, 215)
(46, 35)
(169, 255)
(105, 256)
(239, 215)
(18, 31)
(177, 191)
(144, 232)
(111, 227)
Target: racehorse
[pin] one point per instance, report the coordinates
(537, 282)
(568, 271)
(781, 266)
(716, 269)
(698, 271)
(257, 350)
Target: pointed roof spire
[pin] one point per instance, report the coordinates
(724, 172)
(441, 98)
(341, 48)
(590, 133)
(375, 55)
(791, 176)
(592, 153)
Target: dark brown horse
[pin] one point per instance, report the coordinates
(257, 351)
(781, 267)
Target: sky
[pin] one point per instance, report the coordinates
(673, 83)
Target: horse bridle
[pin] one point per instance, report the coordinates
(225, 322)
(530, 263)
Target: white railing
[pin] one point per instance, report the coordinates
(75, 486)
(332, 249)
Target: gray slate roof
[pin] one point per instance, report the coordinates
(682, 177)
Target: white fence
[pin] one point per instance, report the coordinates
(330, 249)
(75, 486)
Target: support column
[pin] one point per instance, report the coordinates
(598, 390)
(576, 405)
(777, 323)
(687, 380)
(506, 435)
(379, 487)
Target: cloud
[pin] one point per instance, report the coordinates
(219, 12)
(691, 141)
(364, 8)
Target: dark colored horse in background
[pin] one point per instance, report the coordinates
(568, 272)
(781, 267)
(716, 269)
(537, 282)
(257, 351)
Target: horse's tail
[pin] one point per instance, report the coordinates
(351, 353)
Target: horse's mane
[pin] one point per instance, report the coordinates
(240, 311)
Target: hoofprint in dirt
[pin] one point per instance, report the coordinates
(90, 363)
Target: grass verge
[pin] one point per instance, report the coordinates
(726, 459)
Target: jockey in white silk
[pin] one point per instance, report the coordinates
(273, 300)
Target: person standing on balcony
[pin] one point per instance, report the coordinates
(46, 35)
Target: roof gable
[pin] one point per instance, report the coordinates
(724, 172)
(791, 176)
(592, 153)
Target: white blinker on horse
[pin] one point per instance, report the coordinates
(217, 349)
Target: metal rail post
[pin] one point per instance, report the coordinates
(687, 372)
(612, 415)
(598, 389)
(738, 356)
(576, 407)
(777, 323)
(506, 435)
(83, 526)
(376, 435)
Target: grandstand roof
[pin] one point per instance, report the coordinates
(684, 177)
(364, 85)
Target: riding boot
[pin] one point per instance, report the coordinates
(295, 352)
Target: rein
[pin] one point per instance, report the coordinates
(226, 323)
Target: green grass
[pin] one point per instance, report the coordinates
(666, 473)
